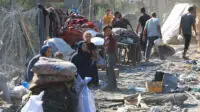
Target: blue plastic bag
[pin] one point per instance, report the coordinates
(75, 10)
(25, 84)
(86, 98)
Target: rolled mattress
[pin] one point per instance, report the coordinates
(54, 67)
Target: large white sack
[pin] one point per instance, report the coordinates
(50, 66)
(59, 45)
(92, 32)
(170, 28)
(98, 41)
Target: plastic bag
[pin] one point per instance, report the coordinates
(18, 92)
(4, 88)
(156, 109)
(101, 61)
(158, 42)
(93, 32)
(34, 104)
(86, 98)
(59, 45)
(180, 37)
(98, 41)
(78, 84)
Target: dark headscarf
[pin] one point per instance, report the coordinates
(44, 50)
(118, 13)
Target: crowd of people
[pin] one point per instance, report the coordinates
(150, 31)
(86, 56)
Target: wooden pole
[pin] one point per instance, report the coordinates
(25, 31)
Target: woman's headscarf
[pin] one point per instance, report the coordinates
(80, 50)
(44, 50)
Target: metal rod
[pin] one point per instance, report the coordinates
(90, 9)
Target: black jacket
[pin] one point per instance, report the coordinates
(82, 61)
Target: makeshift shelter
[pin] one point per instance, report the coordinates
(170, 28)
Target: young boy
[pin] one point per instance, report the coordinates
(111, 56)
(107, 18)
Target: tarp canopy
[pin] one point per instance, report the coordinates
(170, 28)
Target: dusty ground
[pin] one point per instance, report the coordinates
(136, 76)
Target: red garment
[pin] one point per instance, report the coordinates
(110, 44)
(77, 21)
(92, 26)
(72, 36)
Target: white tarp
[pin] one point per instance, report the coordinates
(98, 41)
(59, 45)
(170, 28)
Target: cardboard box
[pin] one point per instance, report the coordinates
(154, 86)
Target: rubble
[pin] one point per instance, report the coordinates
(182, 79)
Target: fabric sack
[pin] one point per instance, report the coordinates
(54, 67)
(46, 79)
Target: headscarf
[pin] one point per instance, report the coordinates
(80, 50)
(80, 53)
(44, 50)
(120, 15)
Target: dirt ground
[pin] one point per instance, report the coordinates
(136, 76)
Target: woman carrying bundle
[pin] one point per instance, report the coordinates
(44, 52)
(84, 63)
(92, 50)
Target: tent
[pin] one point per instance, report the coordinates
(170, 28)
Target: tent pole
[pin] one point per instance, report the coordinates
(90, 10)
